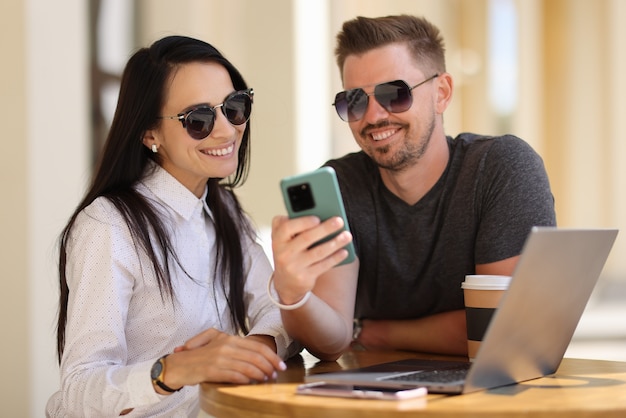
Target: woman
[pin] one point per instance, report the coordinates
(159, 271)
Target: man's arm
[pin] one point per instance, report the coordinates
(443, 333)
(324, 324)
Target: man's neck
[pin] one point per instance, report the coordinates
(412, 183)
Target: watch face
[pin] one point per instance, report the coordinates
(156, 370)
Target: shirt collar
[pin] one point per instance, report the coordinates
(172, 193)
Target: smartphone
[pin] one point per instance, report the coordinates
(316, 193)
(359, 391)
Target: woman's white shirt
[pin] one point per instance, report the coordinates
(118, 321)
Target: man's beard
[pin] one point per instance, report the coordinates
(408, 155)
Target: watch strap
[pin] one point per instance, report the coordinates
(165, 387)
(159, 380)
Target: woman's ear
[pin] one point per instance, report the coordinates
(149, 140)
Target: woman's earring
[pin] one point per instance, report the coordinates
(154, 148)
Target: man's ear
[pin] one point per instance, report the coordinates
(444, 92)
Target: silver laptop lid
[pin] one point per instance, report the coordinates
(538, 315)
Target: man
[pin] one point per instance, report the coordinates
(424, 209)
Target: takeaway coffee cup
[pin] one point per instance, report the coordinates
(482, 295)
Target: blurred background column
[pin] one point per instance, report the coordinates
(584, 101)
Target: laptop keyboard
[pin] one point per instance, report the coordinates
(436, 376)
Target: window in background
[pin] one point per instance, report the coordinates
(503, 60)
(111, 39)
(313, 143)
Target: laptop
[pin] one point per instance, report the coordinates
(529, 332)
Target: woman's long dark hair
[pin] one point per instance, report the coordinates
(125, 158)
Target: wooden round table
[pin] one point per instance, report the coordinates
(579, 388)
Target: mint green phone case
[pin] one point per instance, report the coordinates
(316, 193)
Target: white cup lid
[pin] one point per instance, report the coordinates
(486, 282)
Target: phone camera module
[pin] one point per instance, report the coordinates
(300, 197)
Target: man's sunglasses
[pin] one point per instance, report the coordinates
(199, 121)
(394, 96)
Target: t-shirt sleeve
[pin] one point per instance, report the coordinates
(513, 195)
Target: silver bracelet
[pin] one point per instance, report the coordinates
(296, 305)
(357, 327)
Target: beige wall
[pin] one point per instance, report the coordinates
(571, 105)
(13, 211)
(43, 106)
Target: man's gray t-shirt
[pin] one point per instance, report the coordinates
(413, 258)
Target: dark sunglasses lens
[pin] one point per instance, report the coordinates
(351, 104)
(237, 108)
(199, 123)
(394, 96)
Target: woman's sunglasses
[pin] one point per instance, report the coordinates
(199, 121)
(394, 96)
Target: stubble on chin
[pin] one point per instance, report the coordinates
(394, 162)
(408, 153)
